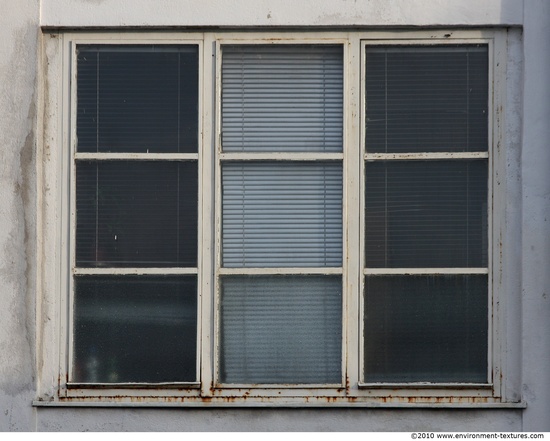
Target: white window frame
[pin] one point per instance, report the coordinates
(480, 389)
(284, 157)
(57, 202)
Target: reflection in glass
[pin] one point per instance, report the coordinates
(136, 214)
(137, 98)
(426, 214)
(426, 328)
(427, 98)
(135, 329)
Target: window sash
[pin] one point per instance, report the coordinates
(412, 157)
(132, 156)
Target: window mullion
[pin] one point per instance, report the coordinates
(207, 229)
(353, 213)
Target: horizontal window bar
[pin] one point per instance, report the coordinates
(406, 271)
(137, 156)
(133, 271)
(133, 385)
(425, 156)
(278, 386)
(184, 46)
(426, 48)
(283, 271)
(425, 385)
(281, 156)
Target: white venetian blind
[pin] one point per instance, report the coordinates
(282, 98)
(284, 213)
(281, 329)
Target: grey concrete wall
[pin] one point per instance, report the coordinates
(320, 420)
(280, 12)
(19, 33)
(535, 163)
(21, 124)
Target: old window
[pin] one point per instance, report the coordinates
(279, 221)
(136, 180)
(426, 183)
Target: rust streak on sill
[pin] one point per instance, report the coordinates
(383, 402)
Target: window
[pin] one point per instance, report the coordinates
(136, 179)
(426, 306)
(281, 221)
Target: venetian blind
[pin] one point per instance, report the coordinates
(281, 213)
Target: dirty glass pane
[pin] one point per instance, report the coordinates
(282, 214)
(136, 214)
(282, 98)
(427, 98)
(426, 328)
(426, 214)
(135, 329)
(137, 98)
(281, 329)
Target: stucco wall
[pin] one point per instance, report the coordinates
(535, 161)
(22, 123)
(280, 13)
(18, 107)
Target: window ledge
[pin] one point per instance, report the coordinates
(316, 402)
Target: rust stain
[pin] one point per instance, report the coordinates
(121, 399)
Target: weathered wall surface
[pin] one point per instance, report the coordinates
(18, 107)
(280, 13)
(21, 124)
(535, 162)
(259, 420)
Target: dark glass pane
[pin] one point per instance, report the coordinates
(134, 214)
(281, 329)
(426, 99)
(137, 99)
(426, 214)
(135, 329)
(426, 328)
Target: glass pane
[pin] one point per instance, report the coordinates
(426, 214)
(135, 329)
(281, 214)
(281, 329)
(134, 213)
(426, 328)
(282, 98)
(137, 98)
(427, 98)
